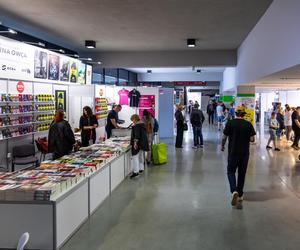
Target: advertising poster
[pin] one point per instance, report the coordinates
(53, 72)
(147, 102)
(73, 71)
(64, 69)
(81, 73)
(249, 103)
(40, 64)
(16, 59)
(89, 72)
(60, 100)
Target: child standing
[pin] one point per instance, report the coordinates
(273, 126)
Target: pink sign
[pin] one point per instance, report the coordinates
(147, 102)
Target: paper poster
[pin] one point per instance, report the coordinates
(53, 72)
(60, 100)
(81, 73)
(89, 73)
(40, 64)
(249, 104)
(147, 102)
(73, 71)
(64, 69)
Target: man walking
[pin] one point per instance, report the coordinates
(197, 119)
(296, 128)
(240, 133)
(210, 110)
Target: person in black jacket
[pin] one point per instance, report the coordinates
(197, 119)
(61, 137)
(139, 144)
(180, 126)
(88, 124)
(210, 110)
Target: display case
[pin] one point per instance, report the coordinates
(101, 109)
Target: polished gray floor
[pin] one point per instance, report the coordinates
(186, 204)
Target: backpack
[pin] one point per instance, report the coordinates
(156, 126)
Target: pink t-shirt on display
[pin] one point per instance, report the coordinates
(123, 94)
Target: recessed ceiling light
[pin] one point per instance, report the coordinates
(99, 62)
(90, 44)
(61, 51)
(191, 42)
(86, 59)
(75, 55)
(149, 71)
(12, 31)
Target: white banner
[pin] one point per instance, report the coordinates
(21, 61)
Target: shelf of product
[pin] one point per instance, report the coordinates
(24, 114)
(101, 108)
(51, 178)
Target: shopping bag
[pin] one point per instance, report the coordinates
(159, 153)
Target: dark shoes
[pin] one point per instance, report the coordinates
(268, 147)
(141, 171)
(277, 149)
(133, 175)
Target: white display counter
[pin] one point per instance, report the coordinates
(51, 223)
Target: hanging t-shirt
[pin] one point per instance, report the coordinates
(123, 96)
(134, 97)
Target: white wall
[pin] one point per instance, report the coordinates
(229, 80)
(170, 77)
(273, 44)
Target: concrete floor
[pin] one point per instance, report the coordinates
(186, 204)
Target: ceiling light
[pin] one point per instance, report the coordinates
(75, 55)
(61, 51)
(99, 62)
(90, 44)
(149, 71)
(191, 42)
(58, 50)
(86, 59)
(11, 31)
(198, 71)
(36, 44)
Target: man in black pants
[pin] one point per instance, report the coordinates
(296, 128)
(180, 126)
(240, 133)
(210, 111)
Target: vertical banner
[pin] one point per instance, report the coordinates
(248, 101)
(60, 100)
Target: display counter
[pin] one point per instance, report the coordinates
(51, 223)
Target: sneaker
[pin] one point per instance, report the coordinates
(234, 198)
(277, 149)
(200, 146)
(133, 175)
(141, 171)
(241, 199)
(268, 147)
(239, 205)
(194, 147)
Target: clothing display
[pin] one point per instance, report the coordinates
(123, 96)
(134, 97)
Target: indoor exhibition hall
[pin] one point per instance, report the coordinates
(149, 125)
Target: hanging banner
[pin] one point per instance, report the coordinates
(21, 61)
(248, 101)
(16, 60)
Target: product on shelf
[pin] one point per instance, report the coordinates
(101, 107)
(44, 98)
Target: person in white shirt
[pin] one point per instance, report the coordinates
(220, 115)
(273, 126)
(288, 122)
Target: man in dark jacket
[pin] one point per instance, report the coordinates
(61, 137)
(197, 119)
(210, 110)
(139, 144)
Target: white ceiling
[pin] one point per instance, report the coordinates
(177, 70)
(139, 25)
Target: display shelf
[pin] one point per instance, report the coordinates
(24, 124)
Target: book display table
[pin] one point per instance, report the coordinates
(52, 215)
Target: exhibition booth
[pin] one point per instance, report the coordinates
(52, 201)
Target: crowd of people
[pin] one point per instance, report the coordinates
(284, 123)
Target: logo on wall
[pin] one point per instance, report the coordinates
(40, 64)
(60, 100)
(20, 87)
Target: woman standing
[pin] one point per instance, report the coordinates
(88, 124)
(61, 137)
(180, 126)
(149, 125)
(139, 144)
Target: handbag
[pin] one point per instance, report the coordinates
(185, 127)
